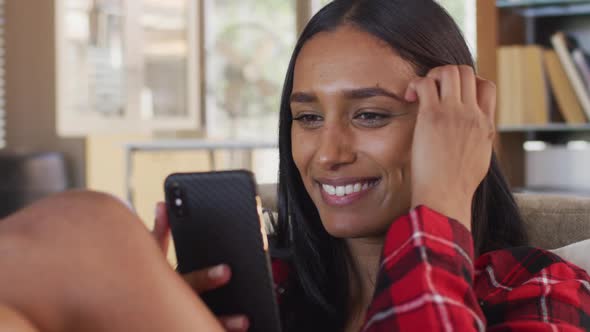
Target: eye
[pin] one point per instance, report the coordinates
(372, 119)
(308, 120)
(370, 116)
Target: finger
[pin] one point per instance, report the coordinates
(449, 80)
(486, 98)
(161, 229)
(424, 91)
(468, 85)
(235, 323)
(208, 279)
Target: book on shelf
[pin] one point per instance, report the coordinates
(581, 61)
(536, 100)
(564, 46)
(523, 97)
(528, 75)
(565, 97)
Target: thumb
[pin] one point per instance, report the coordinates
(161, 231)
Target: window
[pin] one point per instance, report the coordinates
(126, 66)
(463, 11)
(316, 5)
(248, 44)
(166, 62)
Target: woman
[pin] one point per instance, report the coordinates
(384, 44)
(386, 164)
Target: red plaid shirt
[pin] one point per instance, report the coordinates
(428, 281)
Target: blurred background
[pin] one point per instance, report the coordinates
(114, 95)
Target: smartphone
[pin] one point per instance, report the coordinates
(215, 218)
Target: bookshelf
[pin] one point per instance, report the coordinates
(507, 23)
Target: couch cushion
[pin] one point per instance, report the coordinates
(576, 253)
(554, 221)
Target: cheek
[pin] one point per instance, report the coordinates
(390, 147)
(302, 150)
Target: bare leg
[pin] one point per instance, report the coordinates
(83, 261)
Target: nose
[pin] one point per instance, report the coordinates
(335, 147)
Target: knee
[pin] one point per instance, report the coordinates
(77, 201)
(85, 206)
(73, 213)
(73, 252)
(92, 231)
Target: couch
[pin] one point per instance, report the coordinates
(27, 177)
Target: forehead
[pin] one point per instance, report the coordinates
(349, 58)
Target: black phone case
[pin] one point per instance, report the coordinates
(221, 223)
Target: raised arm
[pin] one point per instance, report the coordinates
(428, 282)
(425, 281)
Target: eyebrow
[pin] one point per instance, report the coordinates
(362, 93)
(303, 97)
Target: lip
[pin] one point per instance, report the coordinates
(347, 199)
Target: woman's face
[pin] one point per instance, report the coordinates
(352, 131)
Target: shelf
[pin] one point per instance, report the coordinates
(552, 127)
(548, 8)
(525, 3)
(552, 191)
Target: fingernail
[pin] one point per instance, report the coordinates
(216, 272)
(236, 323)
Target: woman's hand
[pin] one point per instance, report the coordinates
(453, 139)
(201, 280)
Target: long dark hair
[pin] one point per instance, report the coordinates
(317, 297)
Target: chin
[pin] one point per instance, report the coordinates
(351, 227)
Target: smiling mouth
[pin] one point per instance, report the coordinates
(350, 189)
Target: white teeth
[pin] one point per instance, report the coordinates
(357, 187)
(331, 190)
(349, 189)
(341, 191)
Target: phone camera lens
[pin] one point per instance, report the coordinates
(177, 200)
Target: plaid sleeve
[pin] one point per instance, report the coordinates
(425, 281)
(280, 275)
(528, 289)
